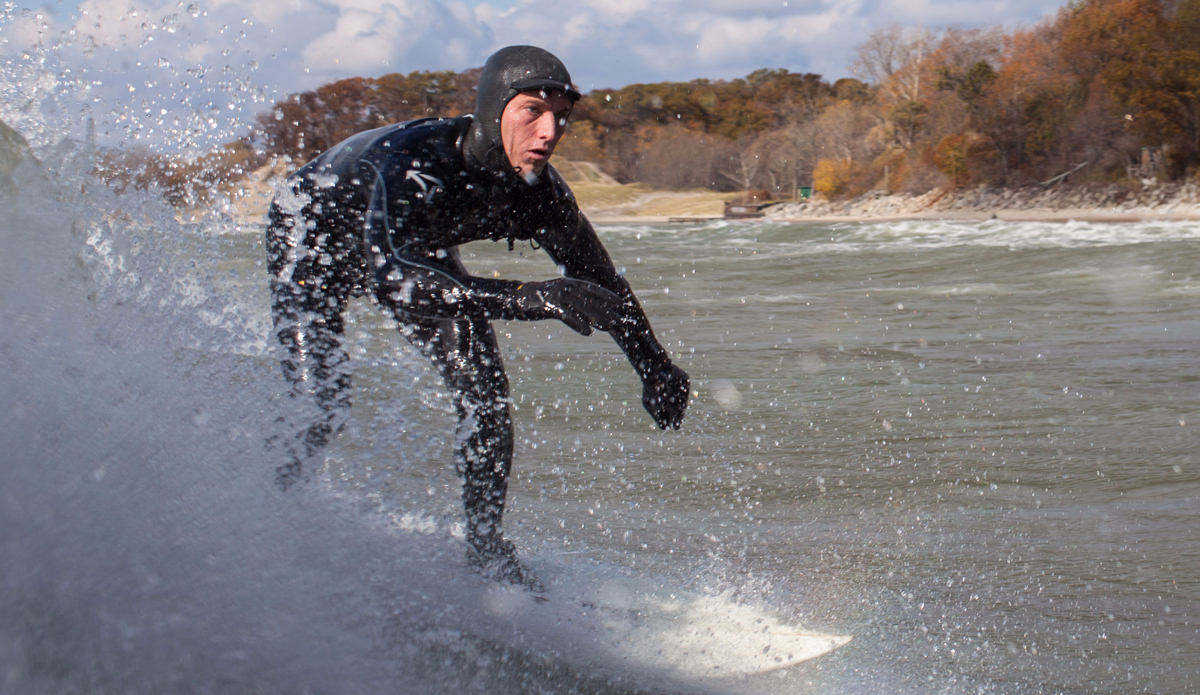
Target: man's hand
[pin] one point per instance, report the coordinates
(577, 303)
(665, 396)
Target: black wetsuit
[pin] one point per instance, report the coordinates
(381, 214)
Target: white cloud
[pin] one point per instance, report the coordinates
(194, 58)
(369, 40)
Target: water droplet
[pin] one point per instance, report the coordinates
(726, 394)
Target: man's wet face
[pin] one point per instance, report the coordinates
(532, 124)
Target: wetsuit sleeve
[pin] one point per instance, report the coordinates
(411, 276)
(578, 251)
(441, 288)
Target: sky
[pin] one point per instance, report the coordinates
(151, 49)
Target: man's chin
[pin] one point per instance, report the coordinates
(533, 169)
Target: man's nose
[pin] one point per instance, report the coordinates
(547, 126)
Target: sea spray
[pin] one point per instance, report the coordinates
(146, 547)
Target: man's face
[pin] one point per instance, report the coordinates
(531, 125)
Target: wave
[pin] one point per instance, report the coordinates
(146, 547)
(799, 238)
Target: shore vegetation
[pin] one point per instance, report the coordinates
(1104, 92)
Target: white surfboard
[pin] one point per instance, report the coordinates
(692, 635)
(637, 626)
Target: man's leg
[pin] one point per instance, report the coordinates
(466, 355)
(307, 302)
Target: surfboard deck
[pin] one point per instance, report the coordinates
(691, 634)
(649, 627)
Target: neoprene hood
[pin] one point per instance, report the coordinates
(508, 72)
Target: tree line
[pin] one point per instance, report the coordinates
(1106, 90)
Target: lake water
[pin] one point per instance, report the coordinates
(969, 445)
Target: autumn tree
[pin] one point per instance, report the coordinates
(679, 157)
(305, 124)
(184, 179)
(309, 123)
(420, 94)
(893, 60)
(1024, 110)
(728, 117)
(1093, 84)
(1145, 54)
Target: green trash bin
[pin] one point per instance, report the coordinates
(804, 192)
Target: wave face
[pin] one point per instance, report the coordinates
(145, 546)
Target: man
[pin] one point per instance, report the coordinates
(382, 214)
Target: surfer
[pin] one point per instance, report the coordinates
(382, 214)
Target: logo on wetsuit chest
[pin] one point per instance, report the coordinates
(423, 180)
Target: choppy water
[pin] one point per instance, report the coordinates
(970, 445)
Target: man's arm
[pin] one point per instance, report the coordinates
(433, 283)
(434, 288)
(665, 387)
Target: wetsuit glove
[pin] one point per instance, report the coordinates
(577, 303)
(665, 396)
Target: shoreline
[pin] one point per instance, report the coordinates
(615, 204)
(1113, 203)
(1123, 202)
(1042, 215)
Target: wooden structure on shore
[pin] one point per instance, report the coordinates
(745, 211)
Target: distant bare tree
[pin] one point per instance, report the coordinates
(961, 49)
(783, 159)
(678, 158)
(621, 150)
(742, 162)
(789, 153)
(789, 156)
(843, 129)
(891, 58)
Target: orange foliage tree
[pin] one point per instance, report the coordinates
(833, 176)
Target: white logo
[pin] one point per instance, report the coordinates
(423, 180)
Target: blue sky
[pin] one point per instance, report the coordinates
(174, 56)
(606, 43)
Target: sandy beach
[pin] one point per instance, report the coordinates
(1112, 203)
(607, 202)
